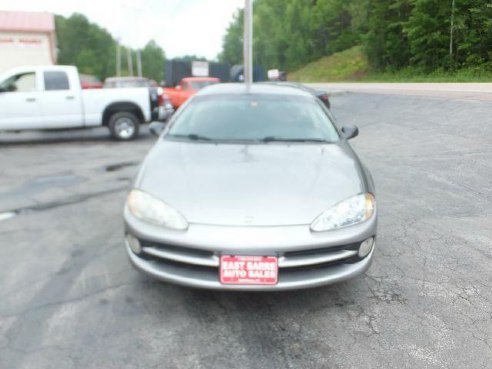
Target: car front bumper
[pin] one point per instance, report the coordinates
(306, 259)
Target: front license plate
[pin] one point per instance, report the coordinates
(253, 270)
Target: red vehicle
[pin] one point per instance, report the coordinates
(87, 81)
(187, 88)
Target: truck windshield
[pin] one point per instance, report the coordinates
(255, 118)
(198, 85)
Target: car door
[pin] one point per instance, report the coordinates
(61, 100)
(20, 107)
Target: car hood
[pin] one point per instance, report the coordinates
(251, 185)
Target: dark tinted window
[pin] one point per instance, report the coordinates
(56, 81)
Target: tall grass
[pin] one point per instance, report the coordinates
(352, 66)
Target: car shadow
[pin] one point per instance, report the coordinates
(200, 302)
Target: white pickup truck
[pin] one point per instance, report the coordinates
(51, 98)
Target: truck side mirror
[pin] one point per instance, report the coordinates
(178, 87)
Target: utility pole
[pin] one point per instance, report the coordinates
(130, 62)
(139, 63)
(451, 32)
(248, 42)
(118, 58)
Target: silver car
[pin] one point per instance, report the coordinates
(252, 189)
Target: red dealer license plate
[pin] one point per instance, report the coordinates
(253, 270)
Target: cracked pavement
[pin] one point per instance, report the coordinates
(69, 298)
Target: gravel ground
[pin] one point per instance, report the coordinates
(69, 298)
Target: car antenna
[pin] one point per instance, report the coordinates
(248, 44)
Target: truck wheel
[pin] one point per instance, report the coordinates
(124, 126)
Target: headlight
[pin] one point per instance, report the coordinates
(152, 210)
(346, 213)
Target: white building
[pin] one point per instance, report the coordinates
(26, 38)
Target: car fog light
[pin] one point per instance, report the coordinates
(366, 247)
(134, 244)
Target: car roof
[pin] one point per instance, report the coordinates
(255, 88)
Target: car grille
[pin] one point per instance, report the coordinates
(203, 261)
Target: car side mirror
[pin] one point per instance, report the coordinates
(156, 128)
(350, 131)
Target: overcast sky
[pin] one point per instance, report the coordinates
(180, 27)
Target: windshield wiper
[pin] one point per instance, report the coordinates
(283, 139)
(192, 137)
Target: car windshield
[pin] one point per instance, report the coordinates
(257, 118)
(198, 85)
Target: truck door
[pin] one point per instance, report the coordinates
(61, 100)
(185, 92)
(20, 107)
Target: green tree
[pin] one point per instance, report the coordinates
(190, 58)
(386, 42)
(472, 41)
(153, 59)
(428, 30)
(232, 49)
(337, 24)
(91, 48)
(395, 33)
(290, 33)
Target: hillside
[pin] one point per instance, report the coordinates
(348, 65)
(352, 65)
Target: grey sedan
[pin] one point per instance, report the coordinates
(252, 189)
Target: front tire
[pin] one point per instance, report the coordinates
(124, 126)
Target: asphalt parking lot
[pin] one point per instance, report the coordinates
(69, 298)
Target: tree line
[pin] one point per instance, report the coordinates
(424, 34)
(93, 50)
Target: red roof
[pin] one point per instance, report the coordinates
(27, 21)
